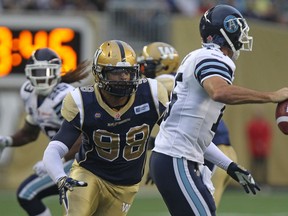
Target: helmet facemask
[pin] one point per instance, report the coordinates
(43, 76)
(149, 68)
(118, 88)
(243, 42)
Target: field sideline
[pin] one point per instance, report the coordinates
(235, 202)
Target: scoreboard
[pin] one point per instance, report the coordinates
(70, 37)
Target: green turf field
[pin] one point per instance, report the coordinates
(235, 202)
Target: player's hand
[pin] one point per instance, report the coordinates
(66, 183)
(40, 169)
(149, 179)
(4, 142)
(243, 177)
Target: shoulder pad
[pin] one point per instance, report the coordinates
(71, 105)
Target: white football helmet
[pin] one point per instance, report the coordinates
(43, 69)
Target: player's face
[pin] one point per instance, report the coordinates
(119, 75)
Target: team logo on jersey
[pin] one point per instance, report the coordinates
(231, 24)
(117, 117)
(142, 108)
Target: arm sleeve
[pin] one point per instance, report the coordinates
(216, 156)
(52, 159)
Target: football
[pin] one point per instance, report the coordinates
(281, 115)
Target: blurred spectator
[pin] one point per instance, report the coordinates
(268, 10)
(186, 7)
(55, 4)
(259, 137)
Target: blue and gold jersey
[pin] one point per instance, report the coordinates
(114, 142)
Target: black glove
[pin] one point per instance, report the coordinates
(243, 177)
(65, 183)
(149, 180)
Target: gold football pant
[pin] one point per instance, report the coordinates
(99, 198)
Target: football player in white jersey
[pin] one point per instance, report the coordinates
(160, 61)
(203, 87)
(115, 116)
(42, 95)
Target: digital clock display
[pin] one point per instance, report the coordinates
(16, 47)
(63, 35)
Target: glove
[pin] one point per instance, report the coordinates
(4, 142)
(40, 169)
(66, 183)
(149, 179)
(243, 177)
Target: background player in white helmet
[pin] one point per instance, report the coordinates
(115, 116)
(42, 95)
(203, 87)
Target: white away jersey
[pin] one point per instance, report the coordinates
(45, 113)
(191, 119)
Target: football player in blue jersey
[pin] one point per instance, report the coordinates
(42, 95)
(203, 87)
(115, 117)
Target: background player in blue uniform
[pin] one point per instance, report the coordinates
(220, 178)
(42, 95)
(115, 117)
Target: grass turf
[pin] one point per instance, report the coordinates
(235, 202)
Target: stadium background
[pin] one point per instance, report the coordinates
(263, 69)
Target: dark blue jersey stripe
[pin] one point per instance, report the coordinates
(209, 67)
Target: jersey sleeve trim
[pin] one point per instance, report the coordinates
(76, 95)
(72, 106)
(213, 67)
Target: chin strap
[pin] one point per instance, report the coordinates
(236, 53)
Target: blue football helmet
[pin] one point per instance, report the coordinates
(224, 25)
